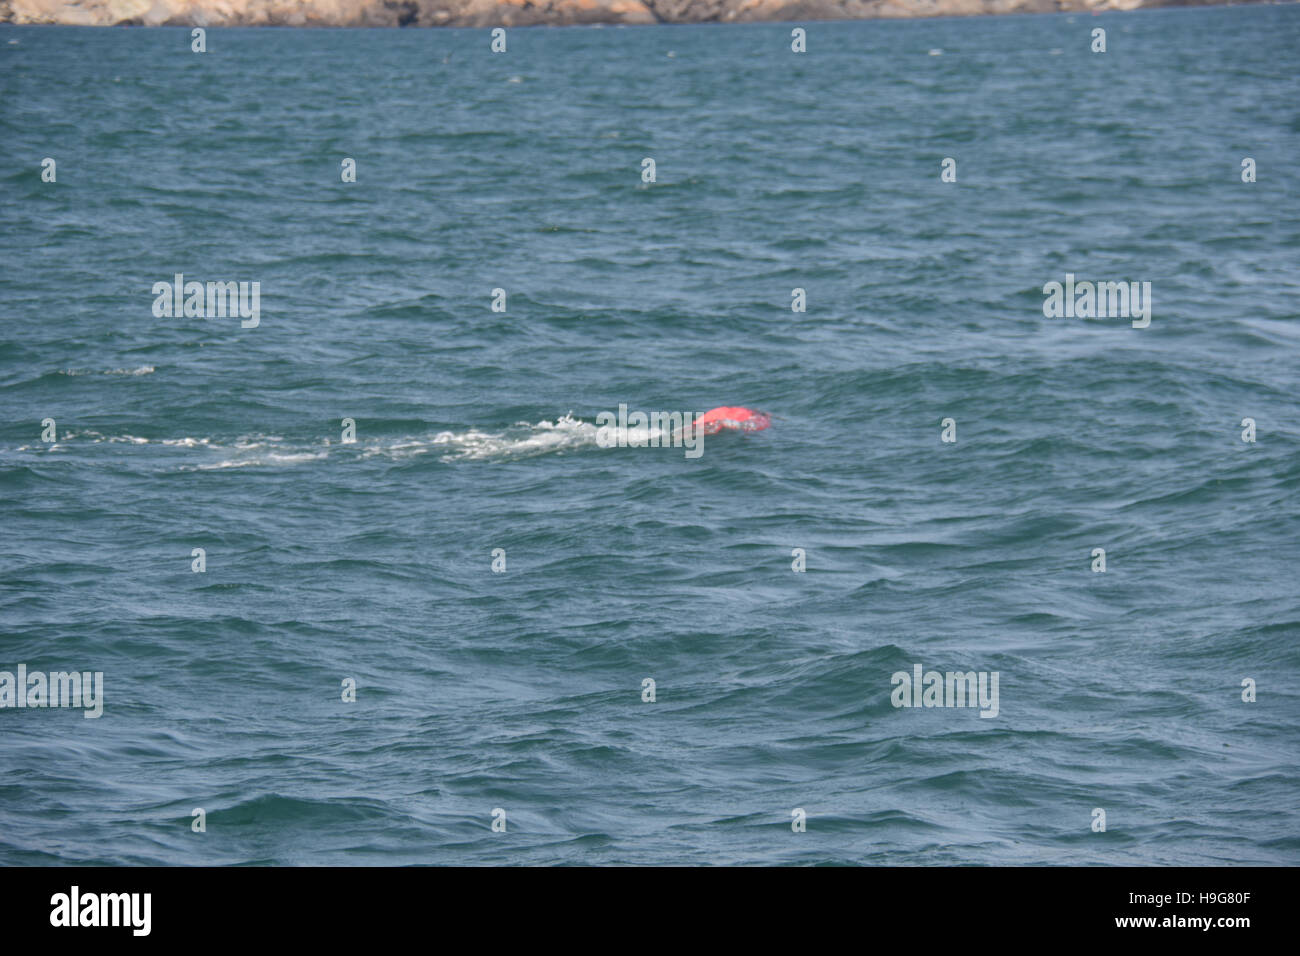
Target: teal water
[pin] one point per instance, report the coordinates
(522, 690)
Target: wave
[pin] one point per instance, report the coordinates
(138, 370)
(521, 440)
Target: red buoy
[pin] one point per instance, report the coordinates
(735, 418)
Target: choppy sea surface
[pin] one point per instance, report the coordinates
(522, 689)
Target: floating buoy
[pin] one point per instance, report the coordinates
(734, 418)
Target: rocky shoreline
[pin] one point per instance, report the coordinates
(486, 13)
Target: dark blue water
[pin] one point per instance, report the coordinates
(521, 690)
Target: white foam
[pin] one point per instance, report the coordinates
(521, 441)
(138, 370)
(272, 459)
